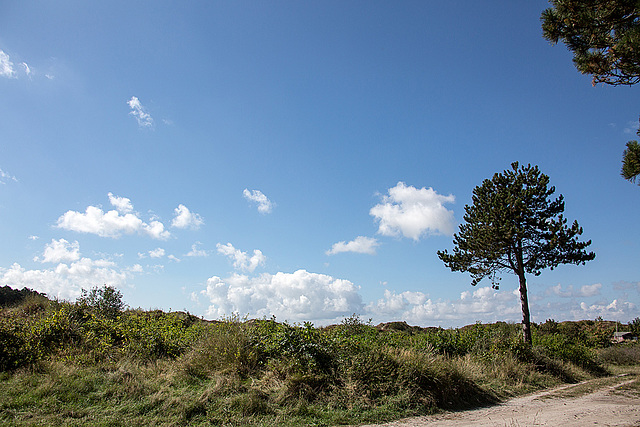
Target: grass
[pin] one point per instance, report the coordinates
(70, 364)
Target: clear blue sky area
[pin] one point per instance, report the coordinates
(303, 159)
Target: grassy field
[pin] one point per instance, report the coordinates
(93, 362)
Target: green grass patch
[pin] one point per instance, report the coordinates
(95, 362)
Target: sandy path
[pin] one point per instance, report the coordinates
(609, 406)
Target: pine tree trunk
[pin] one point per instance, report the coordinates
(524, 301)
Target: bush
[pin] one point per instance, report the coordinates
(621, 354)
(105, 301)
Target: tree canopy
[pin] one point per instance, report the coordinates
(631, 161)
(513, 225)
(604, 36)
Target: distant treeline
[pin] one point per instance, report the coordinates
(9, 296)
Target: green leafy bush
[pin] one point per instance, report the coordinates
(105, 301)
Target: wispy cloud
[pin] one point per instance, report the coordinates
(4, 177)
(569, 292)
(138, 111)
(265, 205)
(631, 127)
(184, 218)
(413, 212)
(6, 66)
(27, 70)
(241, 260)
(361, 244)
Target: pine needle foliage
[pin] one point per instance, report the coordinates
(604, 36)
(631, 161)
(515, 226)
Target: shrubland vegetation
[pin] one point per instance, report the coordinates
(96, 362)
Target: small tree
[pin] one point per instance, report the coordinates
(106, 301)
(514, 226)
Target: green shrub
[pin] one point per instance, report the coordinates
(221, 347)
(155, 335)
(105, 301)
(621, 354)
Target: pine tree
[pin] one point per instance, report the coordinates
(513, 226)
(604, 36)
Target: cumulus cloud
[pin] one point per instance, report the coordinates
(111, 224)
(195, 252)
(413, 212)
(241, 260)
(265, 205)
(615, 310)
(156, 253)
(122, 204)
(6, 66)
(60, 251)
(138, 111)
(4, 176)
(71, 274)
(361, 244)
(184, 218)
(298, 296)
(484, 304)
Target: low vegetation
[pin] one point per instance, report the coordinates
(96, 362)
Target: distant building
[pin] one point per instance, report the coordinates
(623, 336)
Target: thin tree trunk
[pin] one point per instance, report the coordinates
(524, 301)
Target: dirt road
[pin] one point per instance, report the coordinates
(603, 402)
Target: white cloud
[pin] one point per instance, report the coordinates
(558, 291)
(156, 230)
(6, 66)
(70, 275)
(615, 310)
(413, 212)
(122, 204)
(185, 218)
(569, 292)
(33, 237)
(111, 224)
(265, 205)
(4, 176)
(173, 258)
(631, 127)
(240, 259)
(27, 70)
(298, 296)
(195, 252)
(590, 290)
(138, 111)
(60, 251)
(484, 304)
(156, 253)
(361, 244)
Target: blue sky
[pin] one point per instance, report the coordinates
(300, 159)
